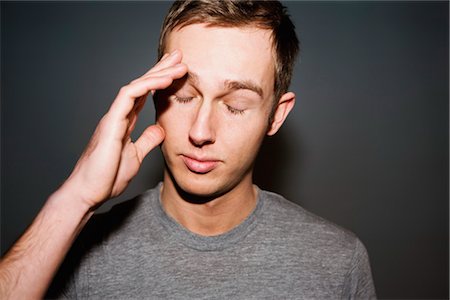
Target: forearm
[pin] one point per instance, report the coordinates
(29, 266)
(103, 171)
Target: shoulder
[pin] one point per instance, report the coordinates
(123, 222)
(123, 219)
(292, 221)
(317, 244)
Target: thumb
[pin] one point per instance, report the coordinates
(149, 139)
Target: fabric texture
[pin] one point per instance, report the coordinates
(280, 251)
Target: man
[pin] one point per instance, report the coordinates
(206, 231)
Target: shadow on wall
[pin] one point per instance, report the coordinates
(275, 161)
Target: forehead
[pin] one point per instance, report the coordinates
(218, 54)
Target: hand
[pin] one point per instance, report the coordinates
(111, 159)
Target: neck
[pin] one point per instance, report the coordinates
(215, 216)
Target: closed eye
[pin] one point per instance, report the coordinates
(182, 99)
(235, 111)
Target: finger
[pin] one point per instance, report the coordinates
(140, 104)
(149, 139)
(157, 66)
(164, 56)
(133, 115)
(160, 61)
(125, 100)
(170, 60)
(160, 65)
(161, 73)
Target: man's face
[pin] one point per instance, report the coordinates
(217, 116)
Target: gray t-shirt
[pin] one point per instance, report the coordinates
(280, 251)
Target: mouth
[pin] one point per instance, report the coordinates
(199, 166)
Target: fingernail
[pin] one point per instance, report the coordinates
(174, 52)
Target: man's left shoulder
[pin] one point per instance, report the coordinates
(295, 223)
(318, 252)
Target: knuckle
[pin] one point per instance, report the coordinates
(124, 90)
(104, 119)
(134, 81)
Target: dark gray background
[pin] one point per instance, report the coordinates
(365, 147)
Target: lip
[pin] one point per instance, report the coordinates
(199, 166)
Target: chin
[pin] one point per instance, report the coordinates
(200, 185)
(199, 188)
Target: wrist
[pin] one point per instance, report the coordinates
(67, 202)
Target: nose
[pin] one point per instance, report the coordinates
(202, 131)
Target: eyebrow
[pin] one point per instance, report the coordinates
(230, 84)
(192, 78)
(244, 85)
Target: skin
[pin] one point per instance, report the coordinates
(208, 203)
(103, 171)
(215, 120)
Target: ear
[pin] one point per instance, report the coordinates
(282, 110)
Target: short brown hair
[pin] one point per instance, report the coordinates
(271, 15)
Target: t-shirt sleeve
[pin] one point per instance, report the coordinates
(71, 278)
(359, 283)
(64, 283)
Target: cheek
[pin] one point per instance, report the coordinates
(243, 139)
(174, 127)
(237, 134)
(252, 125)
(172, 120)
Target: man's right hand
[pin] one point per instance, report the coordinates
(104, 170)
(111, 159)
